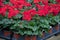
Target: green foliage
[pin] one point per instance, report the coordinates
(52, 1)
(34, 27)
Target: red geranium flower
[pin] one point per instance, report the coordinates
(27, 16)
(39, 6)
(1, 4)
(14, 1)
(12, 13)
(45, 2)
(58, 1)
(27, 4)
(3, 10)
(36, 1)
(55, 12)
(42, 12)
(54, 9)
(33, 12)
(20, 6)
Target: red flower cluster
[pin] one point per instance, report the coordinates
(3, 10)
(12, 13)
(43, 10)
(27, 15)
(58, 1)
(12, 7)
(43, 1)
(1, 4)
(20, 3)
(15, 6)
(55, 8)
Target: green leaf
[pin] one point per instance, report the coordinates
(30, 1)
(28, 32)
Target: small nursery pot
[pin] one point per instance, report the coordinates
(30, 37)
(34, 38)
(16, 36)
(7, 33)
(57, 27)
(27, 37)
(50, 31)
(43, 34)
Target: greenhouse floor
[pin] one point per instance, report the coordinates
(54, 38)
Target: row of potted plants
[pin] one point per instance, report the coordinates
(29, 17)
(13, 36)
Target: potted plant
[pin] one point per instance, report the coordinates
(29, 17)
